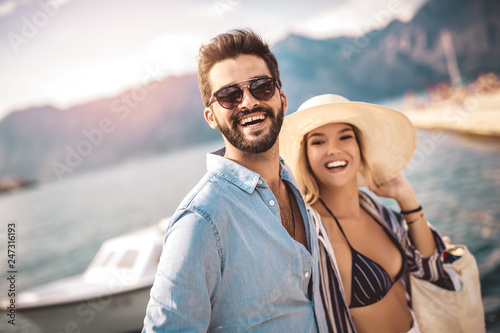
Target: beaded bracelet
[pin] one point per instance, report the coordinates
(406, 212)
(413, 221)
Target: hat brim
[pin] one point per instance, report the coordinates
(389, 137)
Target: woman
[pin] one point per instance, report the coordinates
(334, 146)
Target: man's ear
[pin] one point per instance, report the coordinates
(284, 101)
(210, 118)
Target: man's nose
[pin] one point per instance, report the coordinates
(248, 101)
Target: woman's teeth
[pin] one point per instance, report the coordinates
(336, 164)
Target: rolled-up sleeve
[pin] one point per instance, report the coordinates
(187, 279)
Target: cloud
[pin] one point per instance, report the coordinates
(357, 17)
(175, 52)
(170, 54)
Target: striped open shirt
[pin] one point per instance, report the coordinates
(332, 291)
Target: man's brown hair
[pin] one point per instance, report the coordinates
(230, 45)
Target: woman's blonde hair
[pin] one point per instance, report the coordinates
(306, 180)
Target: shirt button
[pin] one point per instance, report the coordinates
(271, 203)
(306, 274)
(259, 182)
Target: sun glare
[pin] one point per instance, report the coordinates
(94, 80)
(174, 53)
(166, 55)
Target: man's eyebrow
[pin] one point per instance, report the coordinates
(253, 78)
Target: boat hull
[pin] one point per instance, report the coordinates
(113, 313)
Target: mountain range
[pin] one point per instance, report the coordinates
(45, 143)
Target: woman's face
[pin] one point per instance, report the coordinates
(333, 154)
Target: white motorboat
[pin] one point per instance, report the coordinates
(110, 296)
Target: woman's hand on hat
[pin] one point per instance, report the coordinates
(399, 189)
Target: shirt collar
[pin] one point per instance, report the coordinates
(237, 174)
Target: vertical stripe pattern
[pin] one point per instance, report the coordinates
(332, 291)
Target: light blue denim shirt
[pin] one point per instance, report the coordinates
(228, 264)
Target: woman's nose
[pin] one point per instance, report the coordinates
(332, 147)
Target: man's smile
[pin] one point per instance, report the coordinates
(252, 119)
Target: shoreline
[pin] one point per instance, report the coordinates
(475, 114)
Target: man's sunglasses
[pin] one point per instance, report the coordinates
(229, 97)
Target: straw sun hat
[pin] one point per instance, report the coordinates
(389, 137)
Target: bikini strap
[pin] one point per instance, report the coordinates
(337, 221)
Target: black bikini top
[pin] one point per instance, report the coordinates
(370, 282)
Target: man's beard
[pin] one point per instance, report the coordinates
(235, 136)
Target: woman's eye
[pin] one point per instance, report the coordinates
(346, 137)
(315, 143)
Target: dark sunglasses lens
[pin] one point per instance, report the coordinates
(229, 97)
(263, 89)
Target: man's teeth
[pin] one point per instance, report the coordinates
(252, 119)
(336, 164)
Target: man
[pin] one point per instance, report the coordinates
(240, 253)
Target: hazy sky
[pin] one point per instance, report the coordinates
(64, 52)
